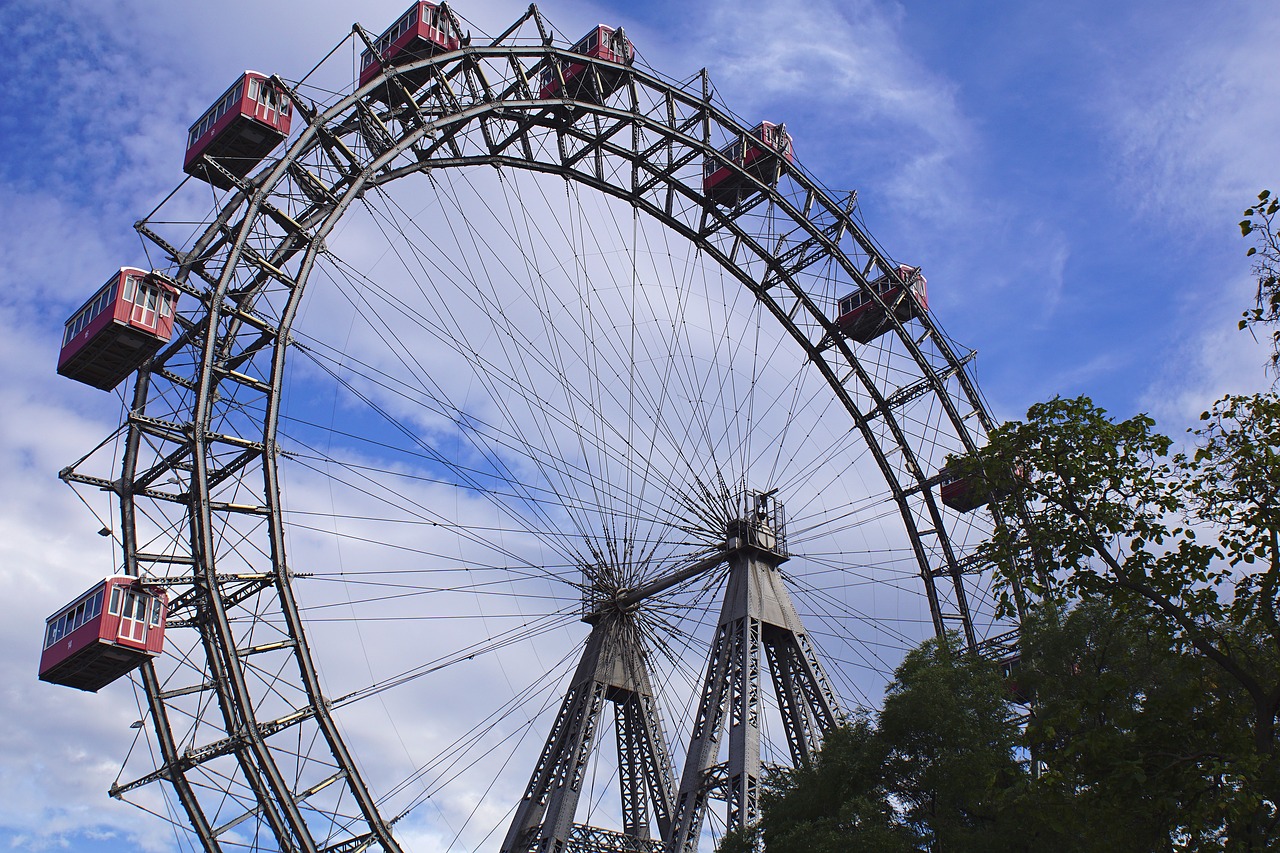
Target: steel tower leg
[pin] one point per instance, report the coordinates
(757, 613)
(612, 669)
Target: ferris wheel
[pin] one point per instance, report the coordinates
(601, 468)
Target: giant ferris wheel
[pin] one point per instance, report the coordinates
(601, 468)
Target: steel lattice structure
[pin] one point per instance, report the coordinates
(246, 735)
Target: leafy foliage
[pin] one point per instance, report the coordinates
(1259, 223)
(949, 734)
(1139, 746)
(1185, 542)
(930, 776)
(841, 796)
(1148, 582)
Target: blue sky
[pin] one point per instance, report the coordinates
(1068, 176)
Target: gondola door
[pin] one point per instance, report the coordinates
(133, 617)
(266, 102)
(146, 305)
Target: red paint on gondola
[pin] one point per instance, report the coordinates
(1010, 668)
(861, 318)
(114, 627)
(959, 494)
(118, 329)
(762, 154)
(239, 130)
(602, 43)
(965, 494)
(424, 30)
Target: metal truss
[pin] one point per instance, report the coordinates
(757, 615)
(245, 734)
(612, 670)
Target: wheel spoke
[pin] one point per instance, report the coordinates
(511, 428)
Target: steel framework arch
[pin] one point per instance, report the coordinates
(244, 730)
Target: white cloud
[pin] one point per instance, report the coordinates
(1194, 138)
(869, 100)
(1214, 359)
(871, 109)
(61, 748)
(1191, 117)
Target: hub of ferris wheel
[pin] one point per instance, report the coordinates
(758, 632)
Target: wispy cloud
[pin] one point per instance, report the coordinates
(1190, 120)
(1074, 206)
(867, 103)
(1191, 114)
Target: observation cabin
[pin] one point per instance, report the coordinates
(761, 527)
(762, 153)
(423, 31)
(118, 329)
(114, 627)
(1018, 692)
(965, 494)
(960, 493)
(239, 130)
(580, 83)
(861, 318)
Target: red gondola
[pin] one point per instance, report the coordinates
(960, 493)
(118, 329)
(761, 154)
(424, 30)
(963, 494)
(860, 318)
(239, 130)
(106, 632)
(580, 84)
(1010, 665)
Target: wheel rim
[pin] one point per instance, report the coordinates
(249, 737)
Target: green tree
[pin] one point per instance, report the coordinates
(1137, 741)
(1188, 541)
(1260, 223)
(837, 801)
(930, 776)
(740, 839)
(950, 734)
